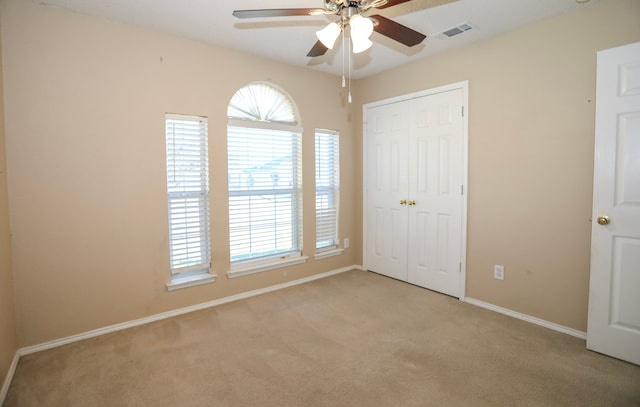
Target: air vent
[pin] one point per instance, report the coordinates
(453, 31)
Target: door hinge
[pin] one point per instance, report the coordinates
(461, 189)
(462, 111)
(460, 270)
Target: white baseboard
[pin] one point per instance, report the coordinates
(180, 311)
(528, 318)
(9, 378)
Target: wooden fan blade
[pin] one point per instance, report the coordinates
(392, 3)
(396, 31)
(279, 12)
(317, 50)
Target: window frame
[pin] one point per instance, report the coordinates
(188, 201)
(327, 177)
(286, 125)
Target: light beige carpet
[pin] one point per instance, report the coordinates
(354, 339)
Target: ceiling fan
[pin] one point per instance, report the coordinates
(352, 15)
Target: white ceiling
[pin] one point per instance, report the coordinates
(288, 39)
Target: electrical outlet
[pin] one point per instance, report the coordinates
(498, 272)
(346, 243)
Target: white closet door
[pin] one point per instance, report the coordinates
(386, 186)
(435, 181)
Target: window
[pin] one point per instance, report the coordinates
(265, 180)
(327, 189)
(188, 200)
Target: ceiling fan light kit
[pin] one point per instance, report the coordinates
(361, 29)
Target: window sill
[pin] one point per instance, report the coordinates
(246, 270)
(178, 282)
(328, 253)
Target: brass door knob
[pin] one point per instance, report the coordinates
(403, 202)
(412, 203)
(603, 220)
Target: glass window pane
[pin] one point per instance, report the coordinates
(327, 188)
(188, 192)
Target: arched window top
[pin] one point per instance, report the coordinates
(260, 101)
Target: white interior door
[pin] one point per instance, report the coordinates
(415, 166)
(614, 292)
(435, 191)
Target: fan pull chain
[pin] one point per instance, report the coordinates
(349, 97)
(344, 85)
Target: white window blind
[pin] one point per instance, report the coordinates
(265, 203)
(327, 188)
(188, 194)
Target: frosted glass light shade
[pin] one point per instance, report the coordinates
(361, 26)
(361, 30)
(360, 44)
(329, 34)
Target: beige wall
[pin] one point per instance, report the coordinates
(8, 340)
(85, 105)
(531, 135)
